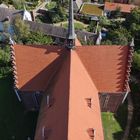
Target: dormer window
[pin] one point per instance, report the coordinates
(91, 133)
(89, 102)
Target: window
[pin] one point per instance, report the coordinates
(106, 101)
(89, 102)
(91, 133)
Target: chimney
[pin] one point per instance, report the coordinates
(71, 32)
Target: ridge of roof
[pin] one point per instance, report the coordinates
(81, 88)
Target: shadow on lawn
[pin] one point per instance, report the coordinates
(15, 123)
(121, 118)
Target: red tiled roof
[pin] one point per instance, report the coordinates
(36, 65)
(126, 8)
(73, 77)
(74, 117)
(105, 64)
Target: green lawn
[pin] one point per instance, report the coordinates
(77, 25)
(14, 121)
(91, 9)
(114, 125)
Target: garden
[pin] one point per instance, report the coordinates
(114, 124)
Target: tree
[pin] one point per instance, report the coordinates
(92, 26)
(39, 38)
(104, 21)
(117, 12)
(21, 29)
(119, 36)
(58, 14)
(132, 24)
(4, 60)
(19, 4)
(136, 60)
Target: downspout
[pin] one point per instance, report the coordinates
(17, 94)
(125, 96)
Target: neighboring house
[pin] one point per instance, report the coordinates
(10, 13)
(59, 32)
(124, 8)
(92, 9)
(27, 15)
(3, 5)
(47, 29)
(122, 1)
(77, 5)
(136, 2)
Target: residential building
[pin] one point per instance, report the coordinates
(124, 8)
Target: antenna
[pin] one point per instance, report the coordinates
(71, 32)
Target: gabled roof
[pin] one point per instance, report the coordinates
(126, 8)
(106, 65)
(72, 87)
(6, 12)
(72, 79)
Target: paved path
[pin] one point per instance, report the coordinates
(129, 118)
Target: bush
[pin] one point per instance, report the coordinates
(39, 38)
(50, 5)
(136, 61)
(5, 60)
(58, 14)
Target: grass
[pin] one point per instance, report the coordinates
(78, 25)
(15, 123)
(91, 9)
(114, 124)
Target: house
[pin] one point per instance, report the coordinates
(71, 84)
(11, 13)
(58, 31)
(124, 8)
(77, 5)
(3, 5)
(135, 2)
(91, 9)
(121, 1)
